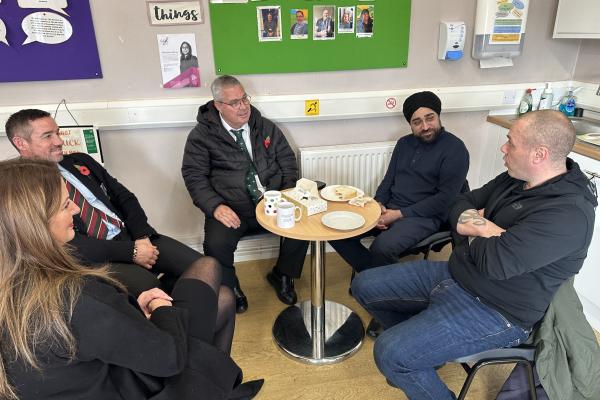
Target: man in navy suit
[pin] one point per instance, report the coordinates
(135, 251)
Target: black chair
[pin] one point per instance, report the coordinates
(523, 354)
(435, 242)
(438, 240)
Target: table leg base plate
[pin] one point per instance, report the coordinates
(343, 335)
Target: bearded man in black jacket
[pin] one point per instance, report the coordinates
(518, 238)
(231, 157)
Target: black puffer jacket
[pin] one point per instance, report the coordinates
(214, 167)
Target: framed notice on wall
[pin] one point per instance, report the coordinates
(81, 139)
(44, 40)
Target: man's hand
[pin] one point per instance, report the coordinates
(472, 223)
(146, 253)
(227, 216)
(388, 217)
(151, 299)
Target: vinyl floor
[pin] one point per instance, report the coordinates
(354, 378)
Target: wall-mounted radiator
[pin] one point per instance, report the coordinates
(361, 165)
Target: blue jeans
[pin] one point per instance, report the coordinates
(429, 320)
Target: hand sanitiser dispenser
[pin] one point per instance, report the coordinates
(499, 31)
(452, 40)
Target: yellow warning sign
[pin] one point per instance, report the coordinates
(311, 107)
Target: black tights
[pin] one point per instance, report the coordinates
(214, 325)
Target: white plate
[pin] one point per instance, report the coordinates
(343, 220)
(328, 192)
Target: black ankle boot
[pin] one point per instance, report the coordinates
(283, 285)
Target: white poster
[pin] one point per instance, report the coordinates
(81, 139)
(178, 60)
(508, 21)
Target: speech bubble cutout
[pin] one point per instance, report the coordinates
(46, 28)
(3, 33)
(56, 5)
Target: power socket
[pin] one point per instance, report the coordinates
(509, 97)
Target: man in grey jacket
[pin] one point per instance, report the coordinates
(231, 157)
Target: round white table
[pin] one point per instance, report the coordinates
(319, 331)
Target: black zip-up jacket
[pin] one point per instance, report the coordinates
(214, 167)
(548, 231)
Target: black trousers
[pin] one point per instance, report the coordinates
(174, 258)
(388, 245)
(208, 373)
(220, 242)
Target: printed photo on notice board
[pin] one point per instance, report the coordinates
(324, 23)
(346, 20)
(365, 20)
(35, 31)
(299, 26)
(81, 139)
(179, 64)
(269, 23)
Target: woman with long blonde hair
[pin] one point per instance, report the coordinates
(70, 332)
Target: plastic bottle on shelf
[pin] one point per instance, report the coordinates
(526, 103)
(546, 98)
(568, 104)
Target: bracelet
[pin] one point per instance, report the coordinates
(134, 252)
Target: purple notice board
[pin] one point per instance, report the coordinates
(76, 58)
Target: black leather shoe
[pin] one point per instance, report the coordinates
(241, 302)
(247, 390)
(284, 287)
(374, 329)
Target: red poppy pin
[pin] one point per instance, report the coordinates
(267, 142)
(83, 170)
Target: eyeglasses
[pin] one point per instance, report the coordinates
(237, 102)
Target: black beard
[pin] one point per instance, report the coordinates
(436, 133)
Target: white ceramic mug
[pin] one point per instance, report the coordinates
(286, 215)
(272, 200)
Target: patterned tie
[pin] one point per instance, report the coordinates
(251, 185)
(91, 216)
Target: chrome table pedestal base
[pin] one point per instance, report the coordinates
(342, 336)
(318, 331)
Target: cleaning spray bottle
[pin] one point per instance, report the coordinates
(567, 104)
(526, 103)
(546, 98)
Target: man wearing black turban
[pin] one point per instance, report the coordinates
(426, 172)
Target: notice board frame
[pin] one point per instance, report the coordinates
(237, 49)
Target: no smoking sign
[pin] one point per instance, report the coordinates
(390, 103)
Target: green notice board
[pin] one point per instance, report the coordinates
(238, 50)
